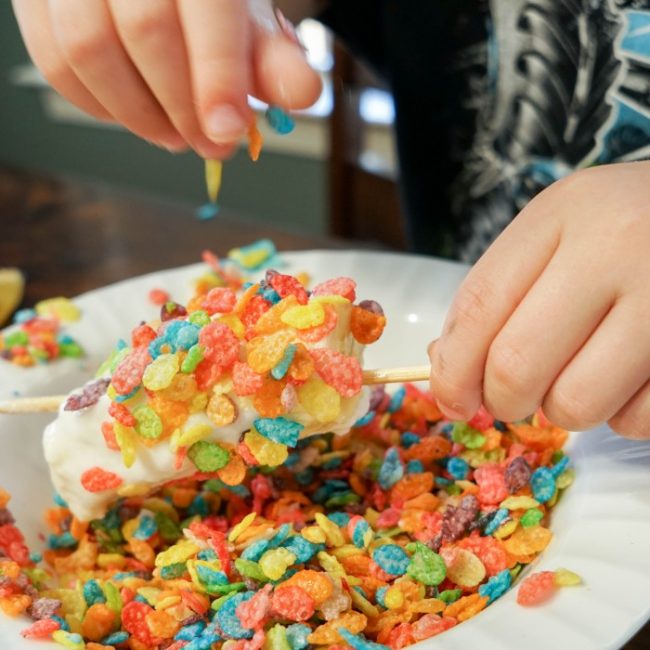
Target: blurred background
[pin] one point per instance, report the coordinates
(334, 175)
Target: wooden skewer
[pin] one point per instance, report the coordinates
(50, 404)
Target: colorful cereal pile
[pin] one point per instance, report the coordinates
(391, 534)
(39, 337)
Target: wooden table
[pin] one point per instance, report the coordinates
(69, 237)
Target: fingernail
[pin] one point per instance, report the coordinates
(174, 143)
(288, 29)
(456, 411)
(225, 124)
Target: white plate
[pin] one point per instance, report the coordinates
(602, 525)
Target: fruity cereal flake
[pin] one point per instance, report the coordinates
(393, 533)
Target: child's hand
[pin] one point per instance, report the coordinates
(557, 312)
(175, 72)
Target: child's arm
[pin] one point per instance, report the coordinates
(176, 73)
(557, 312)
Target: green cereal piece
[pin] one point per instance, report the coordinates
(71, 349)
(426, 566)
(565, 479)
(16, 338)
(167, 528)
(453, 489)
(148, 422)
(208, 456)
(220, 602)
(531, 517)
(230, 588)
(108, 367)
(557, 456)
(276, 638)
(250, 569)
(193, 358)
(172, 571)
(113, 598)
(450, 595)
(342, 499)
(199, 318)
(467, 436)
(516, 570)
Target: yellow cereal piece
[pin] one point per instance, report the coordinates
(104, 560)
(304, 316)
(189, 435)
(321, 401)
(505, 530)
(313, 534)
(566, 578)
(133, 490)
(213, 174)
(60, 308)
(266, 451)
(527, 541)
(275, 562)
(519, 503)
(331, 565)
(150, 594)
(156, 504)
(333, 299)
(234, 323)
(363, 604)
(347, 550)
(167, 602)
(466, 570)
(394, 598)
(221, 410)
(265, 352)
(182, 551)
(427, 606)
(333, 534)
(126, 441)
(161, 371)
(243, 525)
(198, 403)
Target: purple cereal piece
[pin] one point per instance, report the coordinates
(6, 517)
(44, 608)
(456, 520)
(171, 310)
(517, 474)
(372, 306)
(376, 397)
(89, 396)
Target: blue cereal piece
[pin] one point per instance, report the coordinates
(93, 593)
(254, 551)
(63, 624)
(210, 577)
(458, 468)
(190, 632)
(414, 467)
(302, 548)
(392, 559)
(279, 121)
(207, 554)
(496, 586)
(499, 517)
(380, 595)
(64, 540)
(282, 367)
(147, 528)
(359, 642)
(271, 295)
(360, 532)
(280, 430)
(207, 211)
(408, 439)
(560, 466)
(59, 500)
(542, 483)
(297, 636)
(366, 419)
(115, 638)
(397, 400)
(341, 519)
(186, 336)
(391, 469)
(280, 536)
(227, 616)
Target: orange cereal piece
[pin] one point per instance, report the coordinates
(78, 528)
(270, 321)
(15, 605)
(302, 366)
(426, 501)
(5, 497)
(366, 326)
(98, 622)
(142, 551)
(161, 624)
(537, 438)
(431, 448)
(466, 607)
(328, 634)
(527, 541)
(255, 141)
(317, 584)
(412, 485)
(234, 472)
(268, 399)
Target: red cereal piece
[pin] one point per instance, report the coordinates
(220, 344)
(482, 420)
(341, 372)
(319, 332)
(207, 374)
(287, 285)
(342, 286)
(246, 454)
(128, 374)
(97, 479)
(41, 629)
(134, 615)
(400, 636)
(255, 307)
(536, 588)
(219, 300)
(12, 544)
(158, 297)
(109, 436)
(122, 414)
(492, 484)
(245, 380)
(142, 335)
(489, 550)
(431, 625)
(293, 603)
(252, 613)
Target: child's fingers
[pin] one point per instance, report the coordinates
(633, 420)
(483, 304)
(151, 34)
(554, 319)
(217, 36)
(91, 46)
(606, 372)
(282, 75)
(36, 27)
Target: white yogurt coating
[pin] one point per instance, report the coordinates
(73, 443)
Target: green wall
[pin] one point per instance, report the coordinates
(289, 191)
